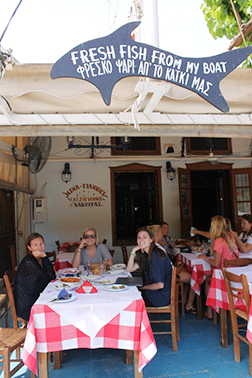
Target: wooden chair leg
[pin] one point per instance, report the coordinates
(214, 317)
(129, 357)
(199, 306)
(56, 360)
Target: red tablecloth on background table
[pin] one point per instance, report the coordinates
(199, 268)
(64, 246)
(48, 331)
(63, 260)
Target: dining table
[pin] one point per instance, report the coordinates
(108, 318)
(200, 269)
(218, 298)
(63, 260)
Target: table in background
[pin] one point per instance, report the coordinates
(63, 260)
(65, 245)
(200, 269)
(55, 326)
(218, 297)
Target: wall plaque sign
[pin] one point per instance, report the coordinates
(85, 195)
(105, 61)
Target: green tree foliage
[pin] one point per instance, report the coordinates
(221, 20)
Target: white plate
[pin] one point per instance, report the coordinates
(115, 287)
(52, 299)
(66, 285)
(114, 272)
(93, 277)
(118, 266)
(105, 282)
(68, 271)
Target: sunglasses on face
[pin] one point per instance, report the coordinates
(89, 236)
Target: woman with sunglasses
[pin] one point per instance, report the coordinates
(156, 267)
(89, 251)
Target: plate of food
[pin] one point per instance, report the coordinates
(70, 279)
(66, 285)
(118, 266)
(68, 272)
(105, 281)
(93, 277)
(55, 299)
(116, 287)
(114, 272)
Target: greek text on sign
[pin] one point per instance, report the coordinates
(105, 61)
(85, 195)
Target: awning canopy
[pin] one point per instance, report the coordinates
(31, 104)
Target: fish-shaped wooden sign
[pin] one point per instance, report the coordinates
(104, 61)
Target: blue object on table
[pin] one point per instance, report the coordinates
(63, 294)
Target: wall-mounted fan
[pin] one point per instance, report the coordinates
(35, 154)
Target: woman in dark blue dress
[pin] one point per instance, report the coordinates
(157, 269)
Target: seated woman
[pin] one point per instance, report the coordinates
(33, 274)
(90, 252)
(244, 240)
(222, 247)
(157, 266)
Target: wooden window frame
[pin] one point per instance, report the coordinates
(206, 152)
(122, 152)
(135, 167)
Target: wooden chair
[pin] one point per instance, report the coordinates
(12, 339)
(4, 308)
(104, 241)
(9, 277)
(180, 288)
(237, 262)
(13, 257)
(57, 242)
(238, 293)
(112, 251)
(124, 252)
(52, 257)
(172, 309)
(71, 247)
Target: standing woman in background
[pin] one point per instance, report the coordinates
(223, 247)
(244, 240)
(33, 274)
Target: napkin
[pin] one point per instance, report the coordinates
(86, 287)
(63, 294)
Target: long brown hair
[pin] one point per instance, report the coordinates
(30, 238)
(141, 257)
(248, 218)
(219, 230)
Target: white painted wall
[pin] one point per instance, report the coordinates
(67, 223)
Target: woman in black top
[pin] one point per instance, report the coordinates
(33, 274)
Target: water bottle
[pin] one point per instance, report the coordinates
(191, 232)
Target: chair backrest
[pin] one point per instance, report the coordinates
(241, 292)
(112, 251)
(57, 242)
(8, 277)
(237, 262)
(52, 257)
(124, 252)
(104, 241)
(174, 294)
(13, 256)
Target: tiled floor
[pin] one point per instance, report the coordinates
(199, 355)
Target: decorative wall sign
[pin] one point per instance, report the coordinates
(85, 195)
(105, 61)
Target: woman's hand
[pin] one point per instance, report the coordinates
(38, 254)
(234, 234)
(202, 256)
(82, 244)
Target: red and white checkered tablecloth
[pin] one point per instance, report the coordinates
(199, 268)
(217, 296)
(129, 330)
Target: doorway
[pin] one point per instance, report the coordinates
(211, 195)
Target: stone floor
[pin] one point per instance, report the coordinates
(199, 355)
